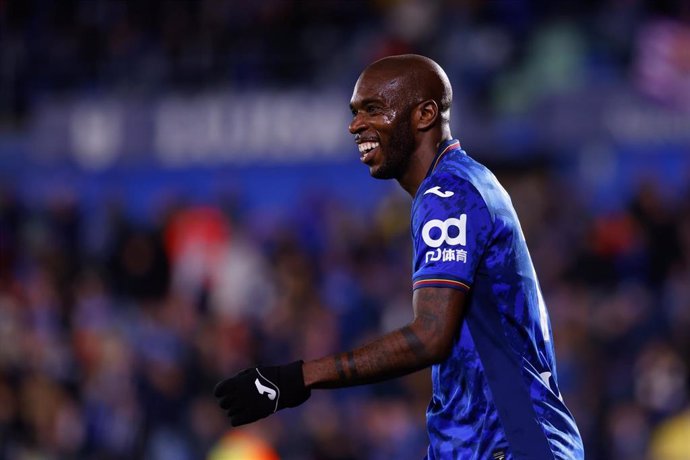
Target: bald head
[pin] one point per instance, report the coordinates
(418, 78)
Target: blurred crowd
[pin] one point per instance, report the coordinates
(505, 54)
(113, 333)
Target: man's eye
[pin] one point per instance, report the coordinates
(373, 109)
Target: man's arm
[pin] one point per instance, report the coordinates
(426, 340)
(258, 392)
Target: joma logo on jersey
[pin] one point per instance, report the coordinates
(445, 228)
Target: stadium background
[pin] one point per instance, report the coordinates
(179, 198)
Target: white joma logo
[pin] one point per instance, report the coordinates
(270, 392)
(437, 191)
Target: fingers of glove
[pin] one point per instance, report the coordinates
(224, 387)
(228, 402)
(251, 370)
(230, 385)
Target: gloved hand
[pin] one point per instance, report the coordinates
(258, 392)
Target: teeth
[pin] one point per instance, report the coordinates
(365, 147)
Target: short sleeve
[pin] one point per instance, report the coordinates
(451, 225)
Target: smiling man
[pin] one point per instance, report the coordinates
(479, 317)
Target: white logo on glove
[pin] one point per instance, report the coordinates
(263, 389)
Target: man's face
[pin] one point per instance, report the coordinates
(381, 123)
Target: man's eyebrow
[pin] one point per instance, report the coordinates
(363, 102)
(372, 100)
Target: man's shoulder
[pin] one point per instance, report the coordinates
(447, 189)
(453, 182)
(462, 182)
(464, 167)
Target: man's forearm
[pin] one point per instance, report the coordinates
(425, 341)
(408, 349)
(395, 354)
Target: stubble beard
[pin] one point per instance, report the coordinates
(400, 149)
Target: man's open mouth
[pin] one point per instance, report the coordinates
(365, 148)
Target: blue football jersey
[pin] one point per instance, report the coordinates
(496, 396)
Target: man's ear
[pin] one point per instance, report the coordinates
(426, 114)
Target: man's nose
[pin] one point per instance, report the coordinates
(356, 125)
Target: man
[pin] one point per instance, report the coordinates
(479, 317)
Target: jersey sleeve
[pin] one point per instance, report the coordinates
(451, 225)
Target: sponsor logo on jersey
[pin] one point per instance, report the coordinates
(437, 191)
(456, 227)
(451, 232)
(446, 255)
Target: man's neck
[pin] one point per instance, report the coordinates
(419, 165)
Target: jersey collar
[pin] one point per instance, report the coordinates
(443, 149)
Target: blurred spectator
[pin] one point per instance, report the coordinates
(670, 439)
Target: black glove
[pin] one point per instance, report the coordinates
(258, 392)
